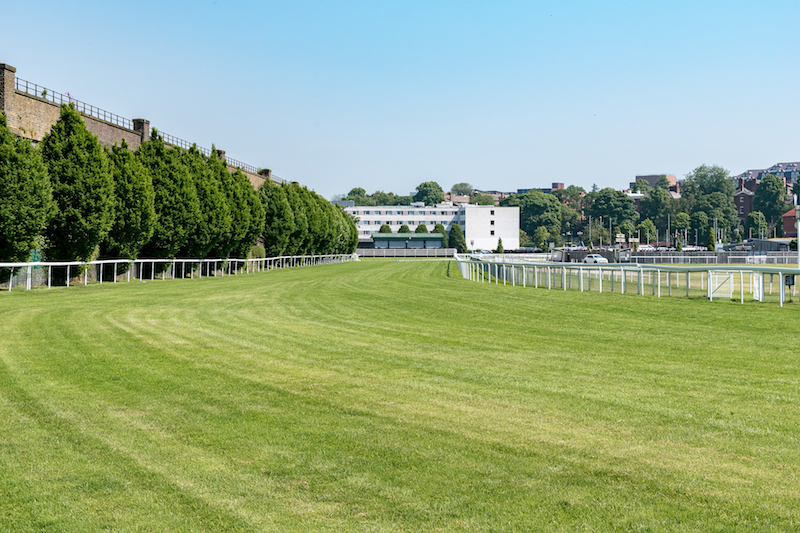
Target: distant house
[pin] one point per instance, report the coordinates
(744, 203)
(789, 223)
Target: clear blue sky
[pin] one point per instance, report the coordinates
(385, 95)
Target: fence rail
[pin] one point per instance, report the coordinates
(406, 252)
(58, 98)
(751, 280)
(42, 274)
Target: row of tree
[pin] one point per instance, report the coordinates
(706, 204)
(73, 200)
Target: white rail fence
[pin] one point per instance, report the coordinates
(628, 277)
(43, 274)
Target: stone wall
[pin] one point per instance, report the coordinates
(31, 117)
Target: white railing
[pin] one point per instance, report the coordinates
(626, 276)
(41, 274)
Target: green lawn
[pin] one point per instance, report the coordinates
(394, 396)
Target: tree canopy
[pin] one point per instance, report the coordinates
(456, 239)
(461, 188)
(26, 202)
(481, 199)
(430, 193)
(770, 198)
(83, 189)
(536, 209)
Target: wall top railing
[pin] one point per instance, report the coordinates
(59, 98)
(39, 91)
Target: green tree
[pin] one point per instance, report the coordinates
(770, 198)
(83, 189)
(299, 233)
(278, 218)
(646, 230)
(656, 206)
(385, 228)
(710, 189)
(613, 204)
(26, 197)
(462, 189)
(541, 238)
(711, 240)
(134, 206)
(663, 183)
(404, 229)
(626, 228)
(597, 232)
(524, 239)
(176, 203)
(536, 209)
(756, 225)
(421, 228)
(573, 196)
(255, 226)
(641, 186)
(481, 199)
(430, 193)
(699, 224)
(456, 239)
(500, 248)
(439, 228)
(214, 220)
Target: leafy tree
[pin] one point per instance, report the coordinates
(756, 225)
(439, 228)
(663, 183)
(646, 230)
(572, 196)
(462, 189)
(385, 228)
(699, 224)
(176, 203)
(421, 228)
(356, 192)
(640, 186)
(711, 240)
(524, 239)
(536, 209)
(278, 218)
(710, 189)
(257, 212)
(26, 197)
(500, 248)
(610, 203)
(83, 189)
(569, 218)
(404, 229)
(134, 205)
(626, 228)
(481, 199)
(214, 220)
(796, 189)
(656, 206)
(770, 198)
(541, 238)
(456, 239)
(681, 222)
(299, 233)
(430, 193)
(597, 233)
(679, 245)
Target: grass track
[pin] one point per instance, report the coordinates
(393, 396)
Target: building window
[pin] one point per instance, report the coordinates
(741, 199)
(491, 222)
(492, 232)
(366, 212)
(491, 212)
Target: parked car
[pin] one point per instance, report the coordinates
(595, 258)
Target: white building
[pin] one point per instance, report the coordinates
(483, 225)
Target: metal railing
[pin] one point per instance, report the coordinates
(406, 252)
(40, 274)
(58, 98)
(633, 278)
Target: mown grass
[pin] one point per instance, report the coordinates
(393, 396)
